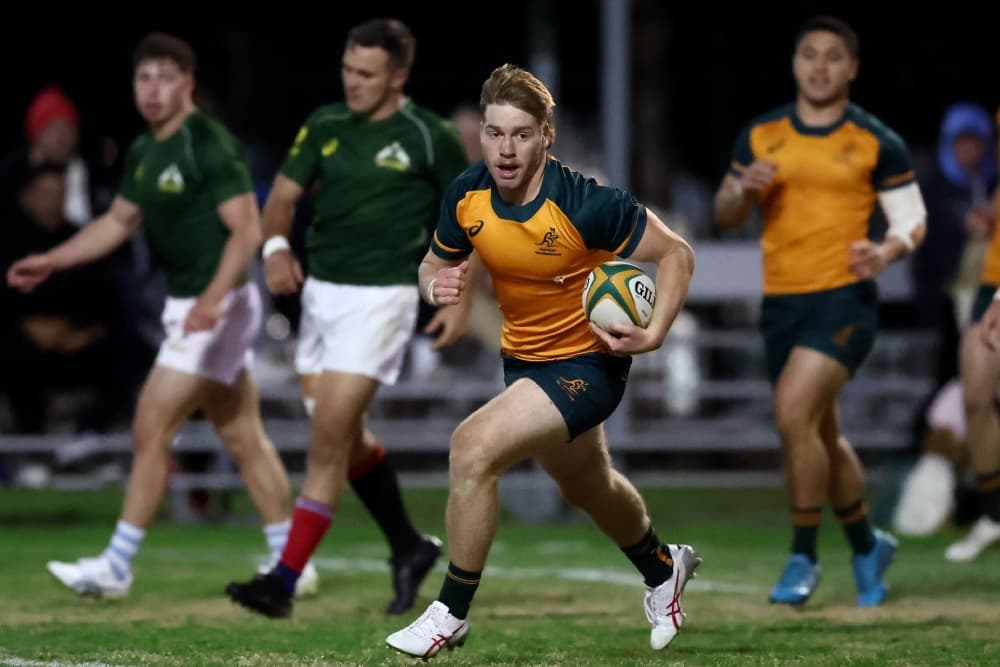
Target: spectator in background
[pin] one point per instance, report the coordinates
(69, 331)
(52, 133)
(964, 177)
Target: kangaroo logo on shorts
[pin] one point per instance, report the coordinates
(572, 387)
(843, 337)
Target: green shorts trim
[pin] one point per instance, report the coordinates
(586, 389)
(840, 323)
(984, 297)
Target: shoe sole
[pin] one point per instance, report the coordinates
(450, 646)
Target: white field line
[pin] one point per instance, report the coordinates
(21, 662)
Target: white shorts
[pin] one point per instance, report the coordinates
(219, 354)
(355, 329)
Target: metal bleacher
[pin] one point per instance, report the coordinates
(704, 393)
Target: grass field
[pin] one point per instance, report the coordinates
(552, 595)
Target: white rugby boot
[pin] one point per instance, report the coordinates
(434, 630)
(984, 533)
(663, 603)
(91, 577)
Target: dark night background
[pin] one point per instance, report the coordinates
(714, 67)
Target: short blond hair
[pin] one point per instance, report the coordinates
(513, 85)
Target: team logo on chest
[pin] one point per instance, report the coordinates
(547, 246)
(171, 180)
(393, 157)
(846, 153)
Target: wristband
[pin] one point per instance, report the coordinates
(430, 293)
(273, 245)
(996, 295)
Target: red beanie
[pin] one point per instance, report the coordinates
(49, 105)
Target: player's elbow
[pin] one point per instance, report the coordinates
(682, 254)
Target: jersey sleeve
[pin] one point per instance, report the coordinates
(303, 159)
(742, 152)
(610, 219)
(131, 173)
(893, 168)
(450, 241)
(225, 168)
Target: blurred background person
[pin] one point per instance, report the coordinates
(70, 332)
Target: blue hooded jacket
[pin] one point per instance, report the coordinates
(949, 193)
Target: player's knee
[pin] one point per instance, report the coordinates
(470, 454)
(149, 432)
(242, 443)
(792, 420)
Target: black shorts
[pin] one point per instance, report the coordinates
(984, 297)
(586, 389)
(840, 323)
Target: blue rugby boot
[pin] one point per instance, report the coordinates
(869, 569)
(797, 582)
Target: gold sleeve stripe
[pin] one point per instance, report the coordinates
(443, 246)
(899, 179)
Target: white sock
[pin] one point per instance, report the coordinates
(276, 535)
(124, 545)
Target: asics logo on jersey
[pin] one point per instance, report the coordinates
(572, 387)
(476, 228)
(393, 157)
(171, 180)
(547, 246)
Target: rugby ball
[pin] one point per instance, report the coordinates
(619, 292)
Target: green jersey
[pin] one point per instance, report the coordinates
(379, 186)
(178, 184)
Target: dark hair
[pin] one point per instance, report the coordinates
(158, 45)
(390, 35)
(834, 25)
(25, 177)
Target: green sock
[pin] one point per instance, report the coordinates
(457, 590)
(857, 528)
(652, 558)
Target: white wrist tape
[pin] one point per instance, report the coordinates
(273, 245)
(430, 292)
(996, 295)
(904, 211)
